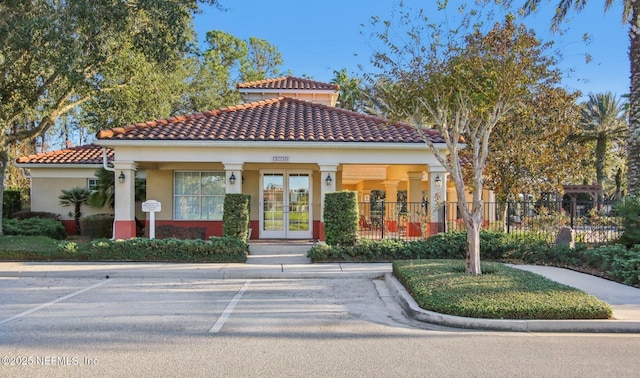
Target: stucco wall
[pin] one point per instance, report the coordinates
(45, 192)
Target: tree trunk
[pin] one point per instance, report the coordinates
(4, 160)
(601, 152)
(633, 147)
(77, 216)
(473, 248)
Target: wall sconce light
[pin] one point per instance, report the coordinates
(328, 180)
(232, 179)
(438, 181)
(121, 178)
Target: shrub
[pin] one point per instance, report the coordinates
(11, 203)
(28, 214)
(629, 210)
(236, 215)
(215, 250)
(500, 293)
(168, 231)
(34, 227)
(97, 226)
(341, 218)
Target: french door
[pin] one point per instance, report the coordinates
(285, 205)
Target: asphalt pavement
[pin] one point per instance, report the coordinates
(625, 300)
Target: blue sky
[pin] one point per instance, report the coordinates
(318, 37)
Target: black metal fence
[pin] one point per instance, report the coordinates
(410, 221)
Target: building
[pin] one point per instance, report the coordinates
(286, 146)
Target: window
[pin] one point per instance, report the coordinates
(92, 184)
(198, 195)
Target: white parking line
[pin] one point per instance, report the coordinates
(25, 313)
(227, 311)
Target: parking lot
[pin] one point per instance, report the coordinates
(185, 319)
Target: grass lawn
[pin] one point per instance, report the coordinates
(14, 247)
(500, 292)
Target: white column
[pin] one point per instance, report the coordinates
(327, 171)
(437, 193)
(233, 170)
(125, 211)
(414, 194)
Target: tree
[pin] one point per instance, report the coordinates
(603, 122)
(75, 197)
(104, 194)
(630, 16)
(351, 94)
(233, 59)
(462, 89)
(529, 149)
(262, 61)
(55, 55)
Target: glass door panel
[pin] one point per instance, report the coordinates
(273, 202)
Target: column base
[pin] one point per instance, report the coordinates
(124, 229)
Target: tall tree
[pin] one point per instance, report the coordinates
(603, 122)
(462, 89)
(631, 17)
(234, 59)
(351, 93)
(529, 149)
(55, 52)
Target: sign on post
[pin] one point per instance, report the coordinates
(151, 207)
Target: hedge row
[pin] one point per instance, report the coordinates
(617, 261)
(223, 249)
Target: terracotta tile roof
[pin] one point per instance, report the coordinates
(88, 154)
(288, 82)
(278, 119)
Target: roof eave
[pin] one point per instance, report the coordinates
(57, 165)
(266, 144)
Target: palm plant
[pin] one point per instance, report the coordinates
(104, 194)
(603, 121)
(75, 197)
(631, 17)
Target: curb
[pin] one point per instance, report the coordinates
(414, 311)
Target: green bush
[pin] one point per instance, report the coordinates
(341, 218)
(629, 210)
(236, 215)
(11, 203)
(28, 214)
(34, 227)
(500, 293)
(177, 250)
(97, 226)
(168, 231)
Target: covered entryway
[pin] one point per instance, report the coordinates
(285, 198)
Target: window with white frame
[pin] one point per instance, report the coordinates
(92, 184)
(198, 195)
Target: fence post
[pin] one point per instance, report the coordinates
(382, 224)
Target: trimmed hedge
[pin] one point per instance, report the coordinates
(236, 215)
(215, 250)
(341, 218)
(34, 227)
(168, 231)
(28, 214)
(500, 292)
(97, 226)
(11, 203)
(629, 210)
